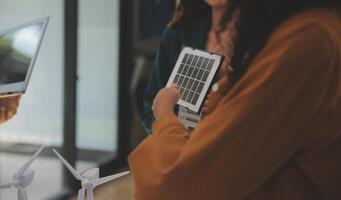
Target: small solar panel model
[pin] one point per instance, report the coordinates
(193, 74)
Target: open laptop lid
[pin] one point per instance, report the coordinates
(19, 48)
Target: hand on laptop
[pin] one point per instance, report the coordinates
(8, 107)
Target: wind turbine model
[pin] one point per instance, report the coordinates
(23, 177)
(89, 178)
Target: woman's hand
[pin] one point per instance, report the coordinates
(165, 100)
(8, 107)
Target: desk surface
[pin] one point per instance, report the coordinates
(121, 189)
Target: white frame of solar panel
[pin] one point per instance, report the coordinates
(196, 52)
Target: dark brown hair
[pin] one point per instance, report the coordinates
(256, 21)
(187, 11)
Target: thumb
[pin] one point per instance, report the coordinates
(174, 86)
(175, 90)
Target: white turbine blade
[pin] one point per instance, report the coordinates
(71, 169)
(106, 179)
(5, 186)
(22, 170)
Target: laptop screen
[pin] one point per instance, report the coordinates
(17, 49)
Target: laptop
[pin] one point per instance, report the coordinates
(19, 48)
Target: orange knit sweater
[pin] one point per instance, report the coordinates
(275, 135)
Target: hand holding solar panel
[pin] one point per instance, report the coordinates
(193, 74)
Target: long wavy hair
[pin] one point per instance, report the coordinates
(256, 21)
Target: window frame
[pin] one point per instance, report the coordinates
(118, 161)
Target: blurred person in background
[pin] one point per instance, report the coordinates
(274, 130)
(195, 24)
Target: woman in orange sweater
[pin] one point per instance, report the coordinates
(274, 132)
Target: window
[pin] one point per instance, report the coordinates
(46, 113)
(97, 91)
(40, 115)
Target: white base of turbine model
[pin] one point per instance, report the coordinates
(23, 177)
(89, 178)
